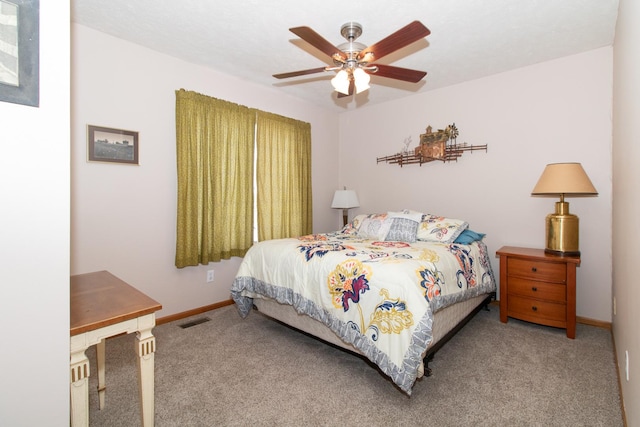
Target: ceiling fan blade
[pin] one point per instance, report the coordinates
(299, 73)
(398, 73)
(401, 38)
(317, 41)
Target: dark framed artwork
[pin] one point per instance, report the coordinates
(20, 52)
(112, 145)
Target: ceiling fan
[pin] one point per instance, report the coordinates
(355, 61)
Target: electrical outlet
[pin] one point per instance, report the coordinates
(626, 363)
(210, 276)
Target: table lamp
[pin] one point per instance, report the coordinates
(345, 200)
(563, 179)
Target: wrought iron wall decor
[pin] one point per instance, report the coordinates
(440, 145)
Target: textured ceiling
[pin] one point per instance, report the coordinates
(250, 38)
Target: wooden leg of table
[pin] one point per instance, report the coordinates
(100, 358)
(79, 388)
(145, 349)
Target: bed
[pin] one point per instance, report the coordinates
(391, 287)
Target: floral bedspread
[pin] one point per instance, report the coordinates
(379, 296)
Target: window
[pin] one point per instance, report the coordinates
(215, 165)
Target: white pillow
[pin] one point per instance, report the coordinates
(435, 228)
(354, 225)
(374, 227)
(407, 214)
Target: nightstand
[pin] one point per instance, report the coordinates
(538, 287)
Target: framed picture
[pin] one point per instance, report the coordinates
(20, 52)
(112, 145)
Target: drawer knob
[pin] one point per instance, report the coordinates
(534, 289)
(534, 269)
(534, 308)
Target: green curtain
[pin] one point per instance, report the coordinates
(283, 177)
(214, 140)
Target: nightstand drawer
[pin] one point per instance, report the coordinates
(541, 290)
(536, 310)
(537, 270)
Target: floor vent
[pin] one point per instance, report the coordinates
(194, 322)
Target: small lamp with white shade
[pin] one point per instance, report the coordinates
(345, 200)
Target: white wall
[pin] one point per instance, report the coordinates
(34, 240)
(556, 111)
(626, 203)
(123, 216)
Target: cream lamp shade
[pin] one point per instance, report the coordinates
(562, 227)
(564, 178)
(345, 200)
(342, 81)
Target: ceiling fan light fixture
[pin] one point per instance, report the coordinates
(361, 79)
(354, 62)
(341, 82)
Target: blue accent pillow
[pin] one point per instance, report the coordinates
(468, 236)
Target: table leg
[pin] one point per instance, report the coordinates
(100, 361)
(79, 388)
(145, 349)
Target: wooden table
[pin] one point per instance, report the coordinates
(103, 306)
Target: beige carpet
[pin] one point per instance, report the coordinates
(256, 372)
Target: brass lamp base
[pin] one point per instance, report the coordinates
(562, 231)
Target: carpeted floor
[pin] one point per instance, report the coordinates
(256, 372)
